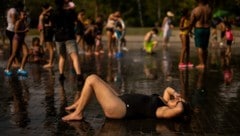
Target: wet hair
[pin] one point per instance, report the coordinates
(185, 116)
(155, 30)
(228, 25)
(185, 12)
(203, 1)
(34, 39)
(19, 5)
(59, 3)
(45, 5)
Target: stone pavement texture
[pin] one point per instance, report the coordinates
(35, 105)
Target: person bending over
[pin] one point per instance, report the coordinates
(127, 105)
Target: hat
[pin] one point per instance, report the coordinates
(170, 14)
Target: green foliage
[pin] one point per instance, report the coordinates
(150, 11)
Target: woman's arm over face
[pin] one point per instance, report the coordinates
(167, 112)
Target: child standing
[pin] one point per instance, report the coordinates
(21, 28)
(185, 39)
(229, 40)
(149, 44)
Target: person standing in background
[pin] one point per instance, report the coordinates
(167, 28)
(185, 39)
(200, 20)
(64, 23)
(12, 14)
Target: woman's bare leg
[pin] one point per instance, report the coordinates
(49, 46)
(183, 50)
(25, 55)
(109, 42)
(13, 54)
(111, 104)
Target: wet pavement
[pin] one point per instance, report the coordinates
(35, 105)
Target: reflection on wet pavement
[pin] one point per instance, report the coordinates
(35, 105)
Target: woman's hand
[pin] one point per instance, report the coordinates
(176, 95)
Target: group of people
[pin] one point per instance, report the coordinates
(61, 29)
(198, 24)
(70, 29)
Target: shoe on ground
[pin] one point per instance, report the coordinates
(189, 64)
(125, 48)
(61, 77)
(22, 72)
(182, 65)
(7, 73)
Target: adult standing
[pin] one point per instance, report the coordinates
(200, 20)
(167, 28)
(46, 23)
(110, 32)
(12, 14)
(64, 23)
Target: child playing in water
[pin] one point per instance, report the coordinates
(36, 51)
(149, 44)
(229, 40)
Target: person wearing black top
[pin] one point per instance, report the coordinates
(64, 23)
(170, 105)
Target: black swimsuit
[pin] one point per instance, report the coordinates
(141, 106)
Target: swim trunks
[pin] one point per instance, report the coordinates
(202, 37)
(141, 106)
(148, 46)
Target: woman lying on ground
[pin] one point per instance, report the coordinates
(127, 105)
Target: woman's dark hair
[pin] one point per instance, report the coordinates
(45, 5)
(185, 12)
(203, 1)
(187, 111)
(59, 3)
(19, 5)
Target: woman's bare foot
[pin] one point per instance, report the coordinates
(200, 66)
(71, 107)
(72, 117)
(48, 66)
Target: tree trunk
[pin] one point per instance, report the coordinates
(140, 13)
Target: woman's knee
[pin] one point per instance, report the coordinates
(91, 78)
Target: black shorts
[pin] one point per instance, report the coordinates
(48, 34)
(229, 42)
(90, 40)
(109, 29)
(141, 106)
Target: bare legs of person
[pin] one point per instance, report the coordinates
(25, 55)
(202, 56)
(165, 42)
(51, 53)
(14, 52)
(76, 65)
(183, 49)
(111, 104)
(110, 43)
